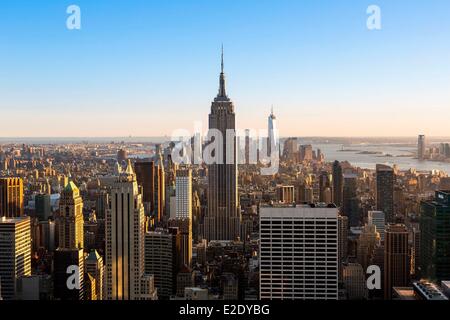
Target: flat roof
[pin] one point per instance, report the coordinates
(299, 211)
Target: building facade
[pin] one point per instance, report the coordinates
(299, 252)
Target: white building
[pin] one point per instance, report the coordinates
(377, 218)
(299, 252)
(15, 253)
(125, 229)
(184, 194)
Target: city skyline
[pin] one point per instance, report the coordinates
(57, 79)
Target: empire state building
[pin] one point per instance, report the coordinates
(223, 218)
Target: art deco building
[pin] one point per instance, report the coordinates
(70, 252)
(125, 230)
(70, 219)
(222, 221)
(11, 197)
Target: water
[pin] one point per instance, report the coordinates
(333, 152)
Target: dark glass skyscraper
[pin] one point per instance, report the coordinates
(385, 191)
(222, 221)
(350, 202)
(338, 183)
(435, 237)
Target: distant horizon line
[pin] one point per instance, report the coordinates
(167, 136)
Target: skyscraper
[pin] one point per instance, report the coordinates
(343, 242)
(376, 218)
(43, 207)
(125, 227)
(161, 260)
(11, 197)
(159, 190)
(222, 221)
(435, 237)
(350, 201)
(273, 135)
(145, 175)
(355, 281)
(338, 183)
(325, 187)
(299, 252)
(70, 219)
(94, 267)
(421, 147)
(70, 244)
(396, 258)
(15, 253)
(184, 193)
(385, 191)
(122, 156)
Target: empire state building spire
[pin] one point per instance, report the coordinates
(222, 95)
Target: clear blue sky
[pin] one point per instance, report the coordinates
(144, 68)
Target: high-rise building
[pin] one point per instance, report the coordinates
(343, 242)
(290, 149)
(161, 260)
(338, 183)
(421, 147)
(325, 187)
(15, 253)
(145, 175)
(43, 206)
(306, 152)
(385, 191)
(68, 268)
(273, 135)
(70, 252)
(125, 229)
(355, 281)
(350, 201)
(222, 221)
(11, 197)
(184, 194)
(285, 194)
(159, 190)
(70, 218)
(183, 216)
(299, 252)
(396, 258)
(94, 267)
(122, 156)
(435, 237)
(184, 227)
(376, 218)
(366, 244)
